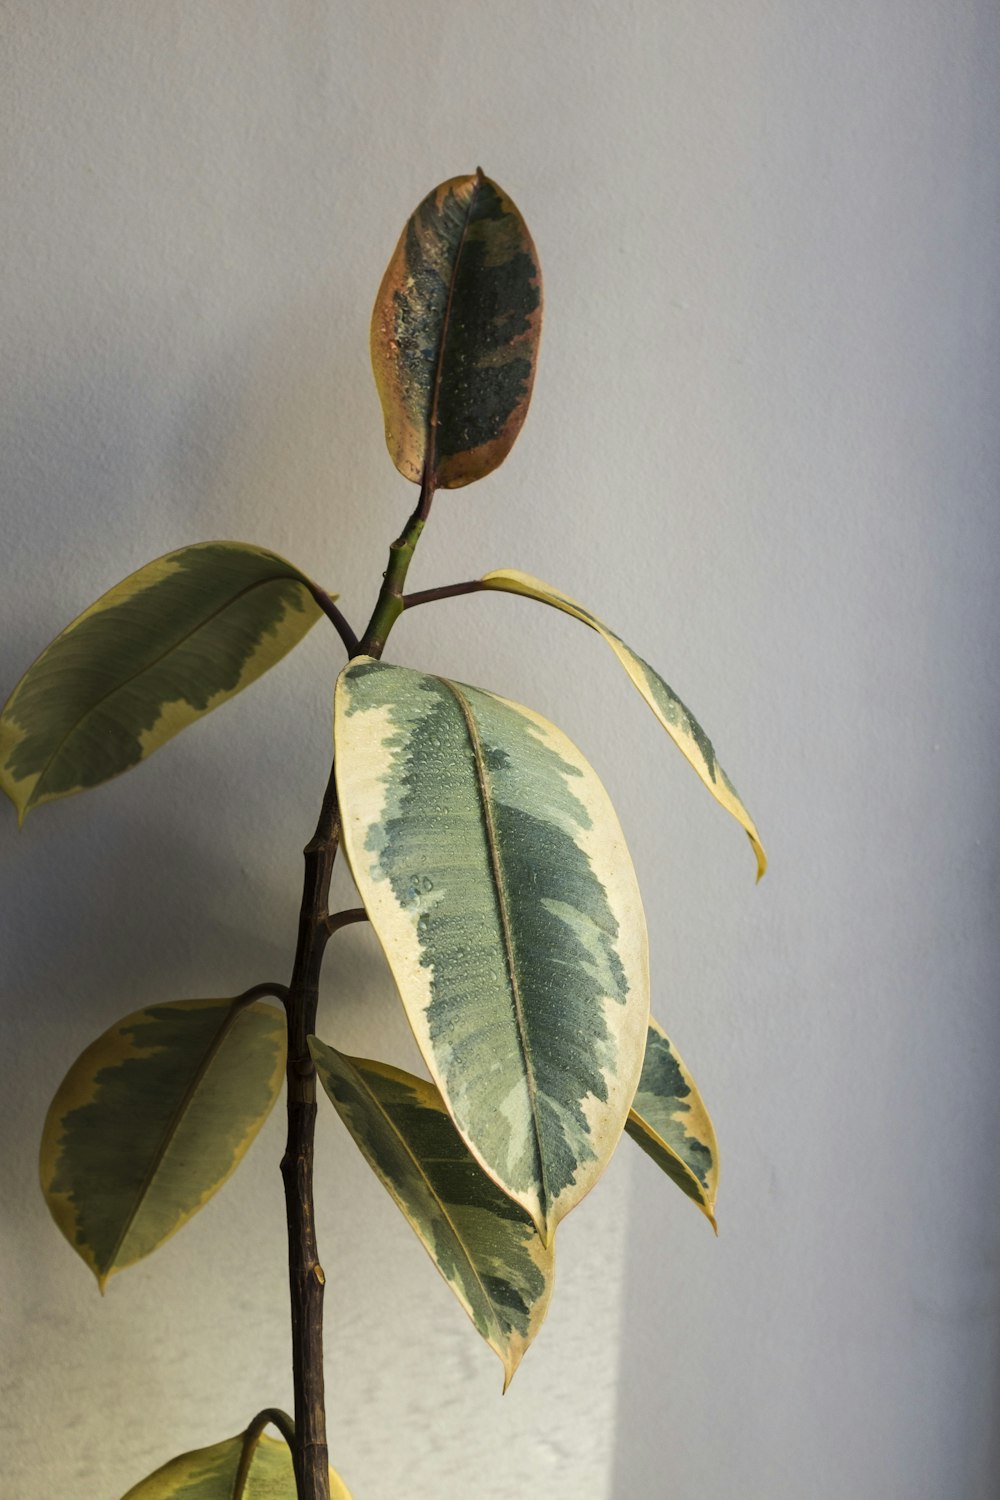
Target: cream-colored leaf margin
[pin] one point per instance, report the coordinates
(368, 748)
(211, 1097)
(481, 1243)
(668, 1119)
(211, 1474)
(681, 725)
(40, 695)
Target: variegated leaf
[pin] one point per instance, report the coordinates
(454, 334)
(679, 722)
(175, 639)
(211, 1474)
(672, 1125)
(152, 1119)
(495, 874)
(484, 1244)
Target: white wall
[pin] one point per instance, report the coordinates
(764, 446)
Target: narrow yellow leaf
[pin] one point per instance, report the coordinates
(678, 720)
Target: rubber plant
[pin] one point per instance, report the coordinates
(486, 855)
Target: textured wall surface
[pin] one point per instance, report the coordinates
(764, 447)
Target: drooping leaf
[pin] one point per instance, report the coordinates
(152, 1119)
(454, 334)
(483, 1243)
(679, 722)
(175, 639)
(211, 1473)
(670, 1122)
(495, 874)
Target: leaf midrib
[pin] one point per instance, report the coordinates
(650, 1131)
(149, 666)
(393, 1127)
(430, 459)
(503, 910)
(171, 1128)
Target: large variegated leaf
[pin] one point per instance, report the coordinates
(211, 1474)
(454, 333)
(152, 1119)
(672, 1125)
(495, 873)
(679, 722)
(483, 1243)
(175, 639)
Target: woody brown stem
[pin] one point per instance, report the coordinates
(306, 1278)
(447, 591)
(305, 1273)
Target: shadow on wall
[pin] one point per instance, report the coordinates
(181, 878)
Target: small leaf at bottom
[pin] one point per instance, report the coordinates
(210, 1474)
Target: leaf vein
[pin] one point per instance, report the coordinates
(171, 1128)
(148, 667)
(466, 1252)
(503, 910)
(432, 416)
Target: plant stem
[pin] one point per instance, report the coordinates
(272, 1417)
(336, 617)
(389, 605)
(306, 1279)
(345, 918)
(448, 591)
(269, 989)
(305, 1274)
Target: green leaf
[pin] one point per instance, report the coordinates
(454, 334)
(495, 874)
(484, 1244)
(670, 1122)
(679, 722)
(152, 1119)
(211, 1474)
(175, 639)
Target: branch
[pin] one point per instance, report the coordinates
(336, 618)
(389, 605)
(448, 591)
(272, 1417)
(344, 918)
(269, 987)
